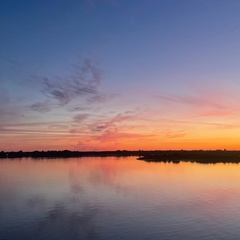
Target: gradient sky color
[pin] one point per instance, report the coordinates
(119, 74)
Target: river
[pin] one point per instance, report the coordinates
(118, 198)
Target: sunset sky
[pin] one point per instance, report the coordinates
(119, 74)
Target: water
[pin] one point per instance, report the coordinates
(118, 198)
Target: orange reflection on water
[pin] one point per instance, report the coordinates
(126, 178)
(121, 192)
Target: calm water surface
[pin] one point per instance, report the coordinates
(118, 198)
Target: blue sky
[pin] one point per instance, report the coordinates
(174, 61)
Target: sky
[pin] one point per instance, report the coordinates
(119, 75)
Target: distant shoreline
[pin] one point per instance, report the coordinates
(175, 156)
(68, 154)
(194, 156)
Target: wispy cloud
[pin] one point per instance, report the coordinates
(99, 98)
(109, 132)
(216, 103)
(212, 124)
(174, 134)
(218, 113)
(77, 109)
(42, 107)
(114, 122)
(81, 117)
(105, 131)
(83, 84)
(34, 127)
(191, 100)
(58, 126)
(115, 136)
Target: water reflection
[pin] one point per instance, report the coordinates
(65, 224)
(118, 198)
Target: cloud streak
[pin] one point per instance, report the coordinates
(82, 84)
(81, 117)
(190, 100)
(42, 107)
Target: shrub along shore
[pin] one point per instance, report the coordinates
(201, 156)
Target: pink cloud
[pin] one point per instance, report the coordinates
(175, 134)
